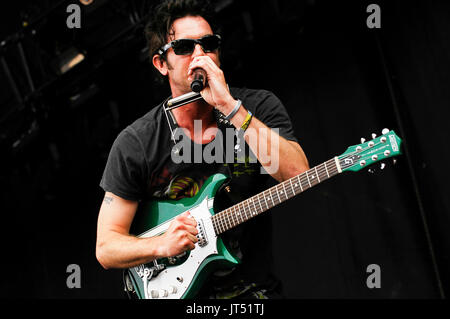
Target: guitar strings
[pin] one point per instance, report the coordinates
(355, 152)
(229, 218)
(248, 209)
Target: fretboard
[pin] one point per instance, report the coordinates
(255, 205)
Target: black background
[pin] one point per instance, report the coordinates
(339, 80)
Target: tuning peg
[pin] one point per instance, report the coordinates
(371, 170)
(385, 131)
(374, 135)
(394, 161)
(382, 165)
(363, 139)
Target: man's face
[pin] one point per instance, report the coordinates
(177, 66)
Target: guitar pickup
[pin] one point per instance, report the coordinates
(201, 236)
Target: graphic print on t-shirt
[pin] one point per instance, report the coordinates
(182, 185)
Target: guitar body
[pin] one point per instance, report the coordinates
(181, 276)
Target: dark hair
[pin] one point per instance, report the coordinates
(159, 27)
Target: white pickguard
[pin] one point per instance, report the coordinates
(164, 282)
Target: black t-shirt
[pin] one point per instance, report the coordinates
(140, 167)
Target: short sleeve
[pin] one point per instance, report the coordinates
(125, 170)
(271, 111)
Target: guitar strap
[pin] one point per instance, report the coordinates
(226, 187)
(230, 238)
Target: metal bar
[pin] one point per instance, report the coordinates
(25, 66)
(11, 81)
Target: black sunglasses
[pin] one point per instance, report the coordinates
(209, 43)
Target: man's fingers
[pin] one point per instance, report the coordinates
(192, 237)
(186, 218)
(192, 230)
(205, 63)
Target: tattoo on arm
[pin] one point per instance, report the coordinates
(108, 200)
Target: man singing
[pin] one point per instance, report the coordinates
(182, 39)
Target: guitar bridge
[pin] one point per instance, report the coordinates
(145, 271)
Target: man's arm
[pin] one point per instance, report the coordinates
(116, 248)
(281, 158)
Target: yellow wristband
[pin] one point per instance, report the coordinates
(247, 121)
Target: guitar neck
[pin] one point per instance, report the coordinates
(259, 203)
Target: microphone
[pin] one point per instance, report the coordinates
(199, 81)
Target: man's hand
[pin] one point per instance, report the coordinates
(180, 236)
(116, 248)
(216, 92)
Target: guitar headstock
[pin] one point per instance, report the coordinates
(362, 155)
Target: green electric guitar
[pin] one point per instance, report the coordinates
(182, 276)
